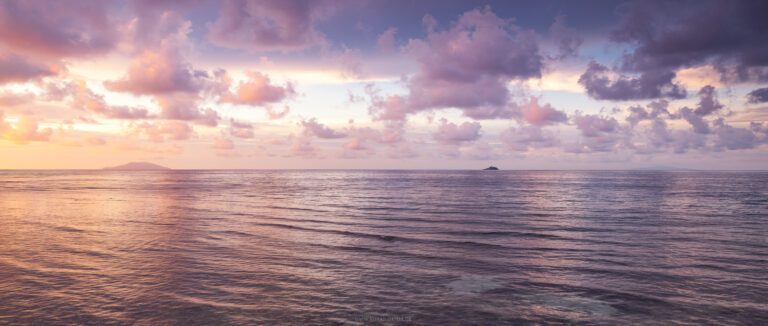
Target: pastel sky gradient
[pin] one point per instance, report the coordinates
(384, 84)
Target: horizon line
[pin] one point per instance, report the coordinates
(393, 169)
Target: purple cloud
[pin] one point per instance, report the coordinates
(185, 109)
(320, 130)
(51, 29)
(566, 38)
(592, 125)
(524, 138)
(732, 138)
(467, 67)
(759, 95)
(451, 133)
(669, 35)
(386, 41)
(18, 69)
(264, 25)
(649, 85)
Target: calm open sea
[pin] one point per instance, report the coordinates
(383, 247)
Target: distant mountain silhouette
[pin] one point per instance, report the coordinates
(137, 166)
(491, 168)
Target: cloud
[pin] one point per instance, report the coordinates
(159, 72)
(527, 137)
(451, 133)
(274, 115)
(55, 29)
(732, 138)
(708, 102)
(670, 35)
(696, 121)
(9, 98)
(545, 114)
(223, 143)
(185, 108)
(567, 39)
(320, 130)
(361, 137)
(258, 90)
(84, 98)
(160, 131)
(638, 113)
(240, 129)
(302, 146)
(390, 107)
(18, 69)
(95, 141)
(157, 25)
(23, 131)
(759, 95)
(467, 67)
(592, 125)
(649, 85)
(386, 41)
(263, 25)
(707, 105)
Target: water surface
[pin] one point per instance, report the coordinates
(383, 247)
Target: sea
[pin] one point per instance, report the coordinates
(356, 247)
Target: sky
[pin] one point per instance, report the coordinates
(384, 84)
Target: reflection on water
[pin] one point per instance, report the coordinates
(382, 247)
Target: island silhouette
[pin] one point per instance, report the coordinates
(137, 166)
(491, 168)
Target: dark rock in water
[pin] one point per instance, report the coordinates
(137, 166)
(491, 168)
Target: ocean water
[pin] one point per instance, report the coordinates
(383, 247)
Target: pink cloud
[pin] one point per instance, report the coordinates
(258, 90)
(24, 130)
(160, 72)
(241, 133)
(274, 115)
(83, 98)
(94, 140)
(302, 146)
(545, 114)
(223, 143)
(160, 131)
(8, 98)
